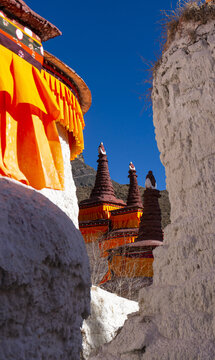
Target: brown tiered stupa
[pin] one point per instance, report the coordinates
(134, 198)
(150, 224)
(125, 226)
(103, 190)
(102, 200)
(136, 258)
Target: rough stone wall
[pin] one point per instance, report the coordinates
(177, 313)
(44, 278)
(67, 199)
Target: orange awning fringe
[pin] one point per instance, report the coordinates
(93, 233)
(71, 116)
(96, 212)
(131, 267)
(115, 242)
(93, 229)
(126, 221)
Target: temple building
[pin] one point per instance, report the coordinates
(95, 212)
(124, 222)
(135, 259)
(42, 102)
(126, 233)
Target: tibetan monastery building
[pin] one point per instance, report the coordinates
(124, 222)
(42, 103)
(94, 213)
(36, 91)
(135, 259)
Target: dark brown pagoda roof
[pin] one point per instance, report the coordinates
(103, 191)
(82, 89)
(17, 9)
(134, 201)
(134, 198)
(150, 223)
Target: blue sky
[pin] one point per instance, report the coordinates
(104, 42)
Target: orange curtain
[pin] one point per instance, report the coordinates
(96, 212)
(30, 150)
(115, 242)
(123, 266)
(71, 116)
(126, 221)
(92, 233)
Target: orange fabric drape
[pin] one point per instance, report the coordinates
(131, 267)
(30, 150)
(96, 212)
(126, 221)
(92, 233)
(115, 242)
(71, 116)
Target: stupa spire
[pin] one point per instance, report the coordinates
(150, 223)
(103, 190)
(150, 182)
(134, 198)
(103, 187)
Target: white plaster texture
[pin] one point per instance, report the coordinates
(44, 278)
(66, 199)
(177, 313)
(108, 314)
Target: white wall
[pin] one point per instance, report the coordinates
(67, 199)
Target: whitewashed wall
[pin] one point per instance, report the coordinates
(67, 199)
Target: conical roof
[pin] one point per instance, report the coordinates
(150, 181)
(150, 223)
(134, 198)
(103, 191)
